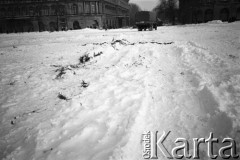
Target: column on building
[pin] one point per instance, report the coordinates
(84, 7)
(96, 7)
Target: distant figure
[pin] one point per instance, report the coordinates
(96, 25)
(105, 27)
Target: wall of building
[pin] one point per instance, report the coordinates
(51, 15)
(206, 10)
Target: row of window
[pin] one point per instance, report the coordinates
(224, 14)
(114, 9)
(32, 11)
(213, 1)
(46, 10)
(91, 7)
(210, 11)
(25, 1)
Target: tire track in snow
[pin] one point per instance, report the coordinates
(217, 103)
(130, 94)
(105, 113)
(134, 89)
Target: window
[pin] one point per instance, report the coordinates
(93, 10)
(61, 10)
(208, 15)
(31, 11)
(53, 10)
(24, 11)
(224, 14)
(74, 9)
(16, 11)
(37, 11)
(87, 7)
(238, 14)
(10, 11)
(2, 12)
(209, 1)
(80, 9)
(224, 1)
(45, 11)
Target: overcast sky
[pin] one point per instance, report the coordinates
(146, 5)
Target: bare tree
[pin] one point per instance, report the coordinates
(134, 8)
(167, 10)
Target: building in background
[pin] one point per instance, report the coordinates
(197, 11)
(53, 15)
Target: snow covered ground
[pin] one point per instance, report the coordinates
(183, 79)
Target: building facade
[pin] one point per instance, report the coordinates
(53, 15)
(197, 11)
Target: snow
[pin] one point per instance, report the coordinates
(215, 22)
(183, 79)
